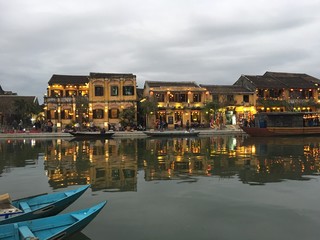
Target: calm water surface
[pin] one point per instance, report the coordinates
(223, 187)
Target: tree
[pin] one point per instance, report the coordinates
(82, 108)
(147, 107)
(210, 109)
(128, 117)
(23, 110)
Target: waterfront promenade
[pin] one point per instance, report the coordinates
(118, 134)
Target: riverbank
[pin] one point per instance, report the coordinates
(120, 134)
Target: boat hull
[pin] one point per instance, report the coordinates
(92, 135)
(171, 133)
(281, 131)
(55, 227)
(44, 205)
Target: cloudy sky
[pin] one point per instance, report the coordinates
(206, 41)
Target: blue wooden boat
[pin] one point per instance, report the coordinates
(38, 206)
(50, 228)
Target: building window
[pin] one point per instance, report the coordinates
(178, 97)
(215, 98)
(196, 97)
(159, 97)
(98, 114)
(70, 93)
(114, 113)
(98, 91)
(230, 98)
(66, 114)
(128, 90)
(56, 93)
(114, 90)
(246, 98)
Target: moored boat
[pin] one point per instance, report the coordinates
(38, 206)
(92, 135)
(55, 227)
(172, 133)
(284, 124)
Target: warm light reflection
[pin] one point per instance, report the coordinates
(114, 164)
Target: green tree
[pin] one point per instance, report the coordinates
(147, 108)
(25, 109)
(82, 109)
(128, 117)
(210, 109)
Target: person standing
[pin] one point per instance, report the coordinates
(188, 125)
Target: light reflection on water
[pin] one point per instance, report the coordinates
(138, 173)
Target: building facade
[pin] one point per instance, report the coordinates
(233, 104)
(99, 99)
(94, 100)
(109, 95)
(178, 103)
(276, 91)
(66, 101)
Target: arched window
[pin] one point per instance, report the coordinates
(98, 114)
(98, 91)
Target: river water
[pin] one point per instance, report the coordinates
(220, 187)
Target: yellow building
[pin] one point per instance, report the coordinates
(66, 100)
(281, 92)
(177, 103)
(234, 103)
(109, 94)
(96, 99)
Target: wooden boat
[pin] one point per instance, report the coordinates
(55, 227)
(284, 124)
(38, 206)
(92, 135)
(172, 133)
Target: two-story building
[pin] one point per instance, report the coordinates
(177, 103)
(66, 101)
(276, 91)
(96, 99)
(109, 94)
(233, 103)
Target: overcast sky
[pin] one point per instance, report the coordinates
(206, 41)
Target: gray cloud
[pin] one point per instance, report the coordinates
(203, 41)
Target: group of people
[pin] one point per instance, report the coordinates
(163, 125)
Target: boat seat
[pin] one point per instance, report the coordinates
(26, 233)
(68, 193)
(76, 216)
(25, 207)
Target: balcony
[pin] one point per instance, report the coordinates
(50, 100)
(58, 99)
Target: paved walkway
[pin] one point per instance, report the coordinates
(121, 134)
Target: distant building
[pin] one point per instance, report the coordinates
(276, 91)
(67, 99)
(235, 102)
(9, 102)
(2, 92)
(109, 95)
(96, 99)
(177, 103)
